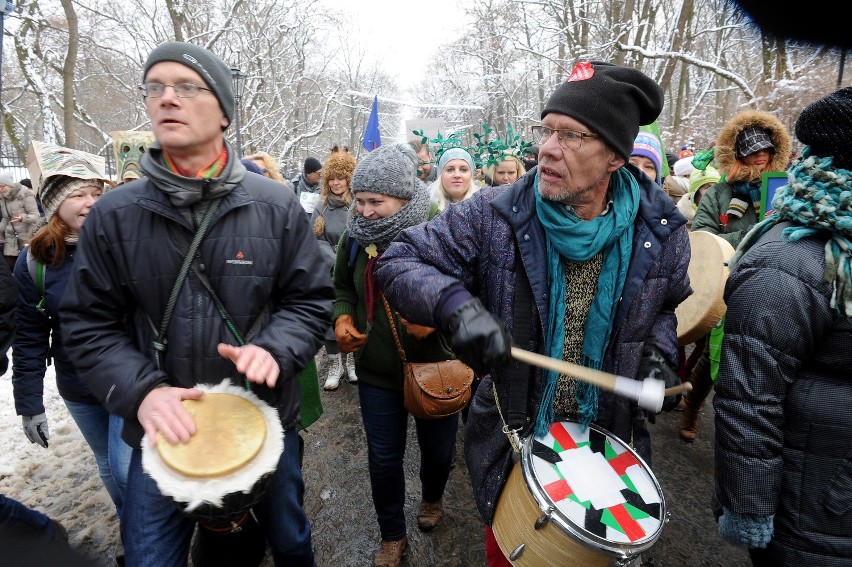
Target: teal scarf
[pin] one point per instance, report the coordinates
(579, 240)
(818, 199)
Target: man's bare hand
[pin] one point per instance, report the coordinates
(162, 412)
(258, 365)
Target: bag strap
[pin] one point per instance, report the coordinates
(160, 341)
(516, 404)
(36, 270)
(392, 323)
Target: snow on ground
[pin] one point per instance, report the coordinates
(62, 481)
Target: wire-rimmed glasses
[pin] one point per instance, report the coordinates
(182, 90)
(568, 139)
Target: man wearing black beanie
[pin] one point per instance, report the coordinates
(307, 184)
(192, 257)
(584, 260)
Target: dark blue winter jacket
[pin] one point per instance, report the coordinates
(37, 339)
(476, 243)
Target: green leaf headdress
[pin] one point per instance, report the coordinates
(439, 144)
(491, 152)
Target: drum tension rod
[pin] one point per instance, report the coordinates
(544, 518)
(517, 553)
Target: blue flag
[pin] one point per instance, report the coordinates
(372, 137)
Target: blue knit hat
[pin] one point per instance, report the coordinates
(455, 153)
(646, 145)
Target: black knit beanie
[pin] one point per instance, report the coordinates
(825, 126)
(312, 164)
(612, 101)
(213, 70)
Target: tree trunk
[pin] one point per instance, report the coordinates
(68, 74)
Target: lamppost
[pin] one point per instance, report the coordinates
(239, 80)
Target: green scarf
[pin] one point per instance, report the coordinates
(579, 240)
(818, 199)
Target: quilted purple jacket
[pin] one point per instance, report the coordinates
(476, 243)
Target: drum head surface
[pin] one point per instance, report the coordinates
(708, 272)
(230, 430)
(600, 489)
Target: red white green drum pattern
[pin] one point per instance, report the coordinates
(597, 485)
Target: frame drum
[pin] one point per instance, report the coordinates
(578, 498)
(224, 468)
(708, 272)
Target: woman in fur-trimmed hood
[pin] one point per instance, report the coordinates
(731, 206)
(749, 144)
(733, 167)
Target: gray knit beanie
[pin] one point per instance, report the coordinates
(389, 170)
(213, 70)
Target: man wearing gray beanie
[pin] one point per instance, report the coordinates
(192, 257)
(584, 260)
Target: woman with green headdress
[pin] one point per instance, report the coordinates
(783, 423)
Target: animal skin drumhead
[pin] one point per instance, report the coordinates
(708, 272)
(230, 430)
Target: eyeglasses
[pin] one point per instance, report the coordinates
(182, 90)
(568, 139)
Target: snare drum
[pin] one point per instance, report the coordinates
(224, 469)
(578, 498)
(708, 272)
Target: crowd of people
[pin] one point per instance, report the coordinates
(209, 268)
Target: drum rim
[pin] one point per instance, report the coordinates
(618, 549)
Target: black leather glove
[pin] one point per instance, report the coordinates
(654, 365)
(479, 339)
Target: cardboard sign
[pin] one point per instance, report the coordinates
(772, 181)
(47, 160)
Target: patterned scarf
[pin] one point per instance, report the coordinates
(580, 240)
(818, 200)
(216, 167)
(745, 193)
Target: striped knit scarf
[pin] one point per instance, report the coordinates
(818, 200)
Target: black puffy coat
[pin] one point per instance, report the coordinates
(259, 255)
(783, 417)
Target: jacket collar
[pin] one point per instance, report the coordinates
(185, 191)
(517, 204)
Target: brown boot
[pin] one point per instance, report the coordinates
(390, 553)
(702, 383)
(430, 515)
(689, 421)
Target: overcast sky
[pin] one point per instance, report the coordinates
(404, 35)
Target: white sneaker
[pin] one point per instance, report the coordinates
(335, 372)
(350, 368)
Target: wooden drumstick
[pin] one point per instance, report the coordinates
(682, 389)
(648, 393)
